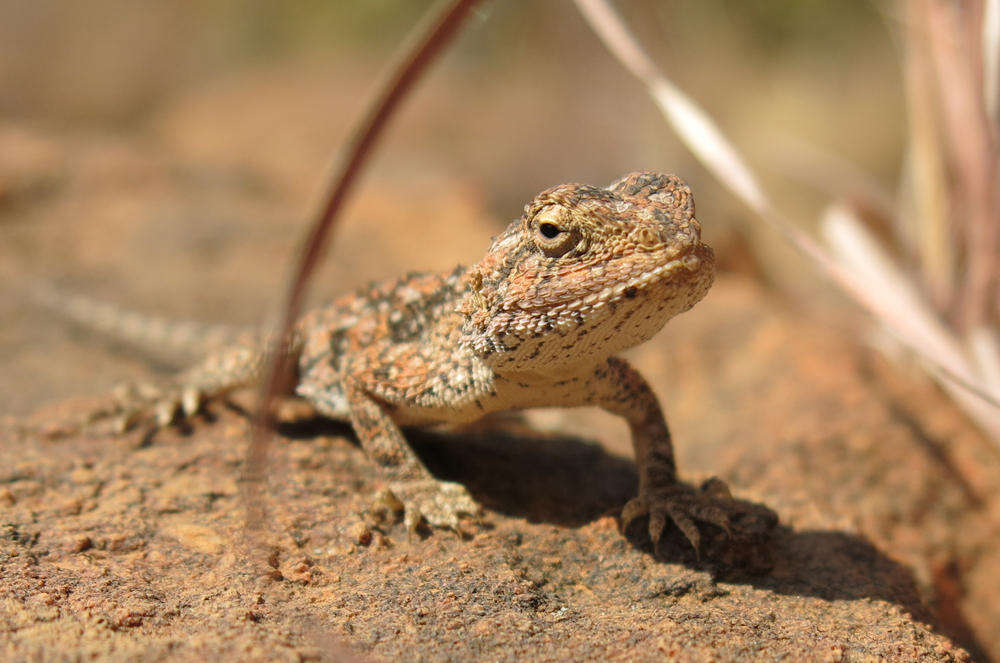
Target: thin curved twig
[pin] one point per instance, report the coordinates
(414, 58)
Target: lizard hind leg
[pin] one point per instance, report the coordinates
(411, 487)
(234, 367)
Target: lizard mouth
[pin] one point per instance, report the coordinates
(689, 262)
(681, 268)
(690, 266)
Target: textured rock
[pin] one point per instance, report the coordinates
(123, 548)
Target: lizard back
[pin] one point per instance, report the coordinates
(363, 328)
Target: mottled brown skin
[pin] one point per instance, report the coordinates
(585, 273)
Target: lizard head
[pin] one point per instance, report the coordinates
(585, 273)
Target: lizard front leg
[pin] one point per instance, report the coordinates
(411, 484)
(621, 390)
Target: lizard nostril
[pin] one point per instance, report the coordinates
(650, 238)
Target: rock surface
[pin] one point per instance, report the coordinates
(130, 548)
(126, 548)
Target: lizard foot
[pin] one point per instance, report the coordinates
(439, 503)
(690, 510)
(135, 404)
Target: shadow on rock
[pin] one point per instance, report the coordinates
(542, 478)
(567, 481)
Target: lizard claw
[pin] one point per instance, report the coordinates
(685, 508)
(439, 503)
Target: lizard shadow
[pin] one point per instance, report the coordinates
(556, 479)
(568, 481)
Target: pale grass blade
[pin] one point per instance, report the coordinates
(991, 62)
(880, 288)
(910, 319)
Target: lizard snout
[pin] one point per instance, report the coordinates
(680, 237)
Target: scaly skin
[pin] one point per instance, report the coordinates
(585, 273)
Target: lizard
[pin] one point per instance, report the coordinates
(584, 273)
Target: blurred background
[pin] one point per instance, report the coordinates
(168, 156)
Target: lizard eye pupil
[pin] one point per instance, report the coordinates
(549, 230)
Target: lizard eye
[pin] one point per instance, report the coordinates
(553, 239)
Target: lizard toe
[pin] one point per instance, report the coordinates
(191, 400)
(635, 508)
(680, 514)
(166, 411)
(716, 488)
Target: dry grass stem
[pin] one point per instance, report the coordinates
(415, 57)
(991, 63)
(924, 223)
(879, 287)
(972, 152)
(916, 321)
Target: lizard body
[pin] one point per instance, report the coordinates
(583, 274)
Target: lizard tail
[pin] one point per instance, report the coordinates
(147, 332)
